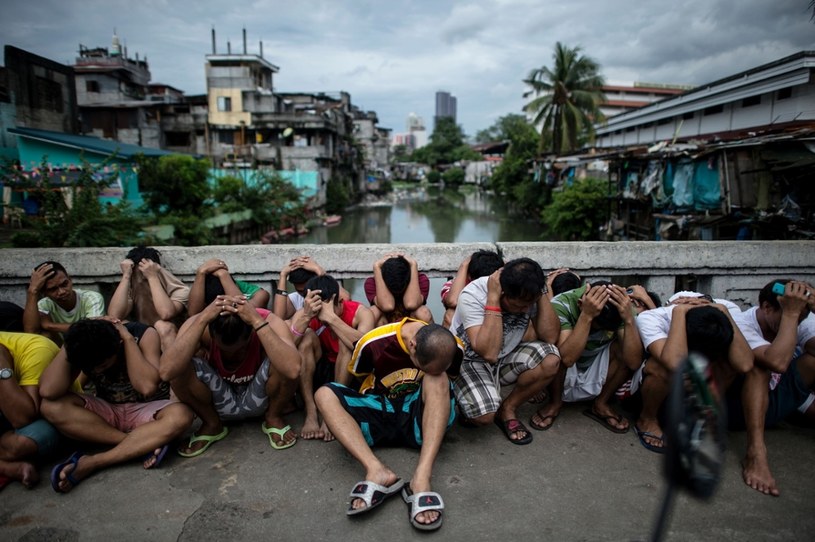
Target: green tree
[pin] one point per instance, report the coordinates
(447, 145)
(400, 154)
(566, 99)
(504, 129)
(175, 184)
(512, 176)
(453, 176)
(273, 200)
(575, 213)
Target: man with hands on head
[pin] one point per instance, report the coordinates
(53, 304)
(298, 272)
(690, 323)
(233, 361)
(781, 332)
(131, 413)
(599, 346)
(212, 278)
(398, 290)
(325, 331)
(508, 328)
(150, 294)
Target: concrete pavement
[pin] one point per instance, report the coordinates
(576, 481)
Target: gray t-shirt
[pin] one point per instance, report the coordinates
(470, 312)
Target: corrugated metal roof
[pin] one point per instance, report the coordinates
(88, 143)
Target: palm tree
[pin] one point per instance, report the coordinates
(566, 99)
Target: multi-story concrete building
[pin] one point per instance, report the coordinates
(35, 92)
(114, 96)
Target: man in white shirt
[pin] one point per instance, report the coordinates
(690, 324)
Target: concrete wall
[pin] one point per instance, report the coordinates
(734, 270)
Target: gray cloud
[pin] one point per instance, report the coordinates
(392, 56)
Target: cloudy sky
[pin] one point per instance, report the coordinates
(393, 55)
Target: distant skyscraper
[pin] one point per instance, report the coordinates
(445, 106)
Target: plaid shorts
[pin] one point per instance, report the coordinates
(478, 386)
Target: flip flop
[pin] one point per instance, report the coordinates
(372, 494)
(280, 433)
(650, 447)
(208, 439)
(159, 457)
(540, 427)
(513, 426)
(424, 501)
(604, 420)
(55, 472)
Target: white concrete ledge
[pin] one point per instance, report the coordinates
(732, 269)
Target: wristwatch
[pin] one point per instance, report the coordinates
(6, 373)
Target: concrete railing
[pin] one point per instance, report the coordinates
(735, 270)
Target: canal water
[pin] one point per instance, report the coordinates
(426, 215)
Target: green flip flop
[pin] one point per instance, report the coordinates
(280, 433)
(208, 439)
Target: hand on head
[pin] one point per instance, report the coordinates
(594, 299)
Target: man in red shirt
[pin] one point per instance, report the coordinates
(233, 361)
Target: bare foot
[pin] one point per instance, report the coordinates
(384, 477)
(311, 429)
(756, 473)
(327, 436)
(22, 471)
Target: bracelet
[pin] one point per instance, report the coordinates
(278, 291)
(261, 326)
(295, 332)
(492, 308)
(493, 313)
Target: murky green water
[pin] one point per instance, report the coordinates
(427, 216)
(430, 216)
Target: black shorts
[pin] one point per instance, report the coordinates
(388, 422)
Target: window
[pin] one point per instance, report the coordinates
(177, 139)
(663, 122)
(751, 101)
(92, 86)
(226, 137)
(714, 110)
(687, 116)
(224, 103)
(784, 94)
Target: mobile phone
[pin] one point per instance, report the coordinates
(778, 288)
